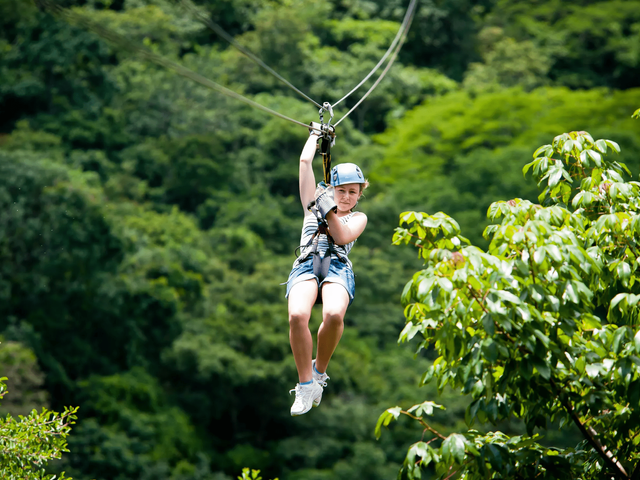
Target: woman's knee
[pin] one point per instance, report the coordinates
(333, 319)
(298, 318)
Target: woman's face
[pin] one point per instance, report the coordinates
(346, 196)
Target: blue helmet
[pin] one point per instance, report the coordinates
(346, 173)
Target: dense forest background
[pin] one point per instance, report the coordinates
(146, 222)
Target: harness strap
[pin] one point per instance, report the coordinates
(321, 264)
(328, 133)
(325, 151)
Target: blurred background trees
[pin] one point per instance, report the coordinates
(146, 222)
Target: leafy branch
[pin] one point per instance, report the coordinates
(591, 436)
(549, 272)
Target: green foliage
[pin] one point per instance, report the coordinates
(131, 428)
(146, 222)
(466, 148)
(443, 33)
(543, 326)
(66, 84)
(249, 474)
(27, 444)
(587, 44)
(26, 379)
(159, 21)
(507, 63)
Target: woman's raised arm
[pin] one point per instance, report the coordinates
(307, 179)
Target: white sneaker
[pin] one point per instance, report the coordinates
(321, 378)
(306, 397)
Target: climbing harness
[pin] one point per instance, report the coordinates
(339, 175)
(321, 260)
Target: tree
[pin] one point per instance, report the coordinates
(458, 153)
(147, 222)
(28, 444)
(27, 380)
(507, 62)
(543, 327)
(578, 48)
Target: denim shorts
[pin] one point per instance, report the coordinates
(339, 272)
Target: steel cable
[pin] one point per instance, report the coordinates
(386, 69)
(123, 42)
(219, 31)
(405, 21)
(187, 73)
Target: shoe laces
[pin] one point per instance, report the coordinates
(321, 378)
(323, 381)
(301, 392)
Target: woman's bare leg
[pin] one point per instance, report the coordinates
(301, 300)
(335, 301)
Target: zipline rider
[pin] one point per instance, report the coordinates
(323, 271)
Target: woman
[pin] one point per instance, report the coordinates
(331, 279)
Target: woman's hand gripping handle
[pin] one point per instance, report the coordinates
(324, 199)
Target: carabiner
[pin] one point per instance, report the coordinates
(327, 106)
(328, 130)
